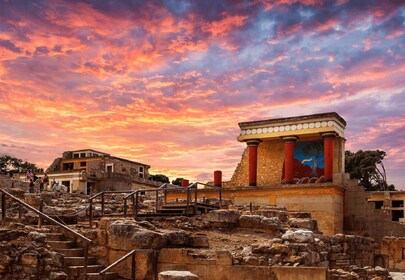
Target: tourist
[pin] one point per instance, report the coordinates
(31, 188)
(41, 185)
(30, 175)
(45, 180)
(57, 187)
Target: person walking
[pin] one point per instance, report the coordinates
(31, 188)
(45, 180)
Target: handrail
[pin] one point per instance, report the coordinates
(86, 240)
(195, 187)
(133, 263)
(135, 196)
(102, 203)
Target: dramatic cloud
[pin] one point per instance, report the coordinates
(166, 82)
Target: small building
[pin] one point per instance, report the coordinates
(89, 171)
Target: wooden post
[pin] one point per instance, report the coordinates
(41, 206)
(125, 207)
(157, 199)
(102, 204)
(91, 212)
(136, 203)
(3, 208)
(133, 266)
(86, 256)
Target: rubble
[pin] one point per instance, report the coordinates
(239, 236)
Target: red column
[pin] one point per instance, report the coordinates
(218, 178)
(184, 183)
(252, 154)
(289, 145)
(328, 151)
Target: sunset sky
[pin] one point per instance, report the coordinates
(166, 82)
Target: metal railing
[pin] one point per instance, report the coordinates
(134, 196)
(194, 186)
(102, 195)
(86, 241)
(132, 254)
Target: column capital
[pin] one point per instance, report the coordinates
(329, 135)
(253, 142)
(290, 139)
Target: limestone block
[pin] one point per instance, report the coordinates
(177, 275)
(262, 248)
(251, 260)
(299, 236)
(303, 223)
(281, 215)
(281, 249)
(223, 217)
(128, 235)
(224, 258)
(57, 275)
(29, 260)
(144, 264)
(178, 239)
(256, 221)
(200, 241)
(37, 237)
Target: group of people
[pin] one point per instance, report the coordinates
(38, 184)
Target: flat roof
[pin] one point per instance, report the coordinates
(294, 119)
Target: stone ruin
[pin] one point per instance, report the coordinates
(235, 242)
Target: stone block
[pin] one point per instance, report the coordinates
(223, 218)
(299, 236)
(200, 241)
(177, 275)
(303, 223)
(128, 235)
(224, 258)
(178, 239)
(29, 260)
(256, 221)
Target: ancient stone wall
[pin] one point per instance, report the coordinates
(361, 217)
(25, 255)
(394, 248)
(270, 159)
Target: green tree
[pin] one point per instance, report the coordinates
(12, 165)
(368, 169)
(159, 178)
(177, 182)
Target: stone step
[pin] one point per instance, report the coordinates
(96, 276)
(55, 236)
(61, 244)
(78, 261)
(73, 252)
(78, 270)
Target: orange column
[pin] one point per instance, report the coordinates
(328, 151)
(289, 145)
(252, 154)
(218, 178)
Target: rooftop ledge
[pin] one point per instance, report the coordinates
(309, 125)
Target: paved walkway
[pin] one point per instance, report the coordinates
(397, 275)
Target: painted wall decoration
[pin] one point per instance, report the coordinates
(308, 159)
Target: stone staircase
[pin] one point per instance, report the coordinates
(74, 258)
(177, 209)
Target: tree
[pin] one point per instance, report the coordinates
(12, 165)
(368, 168)
(159, 178)
(177, 182)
